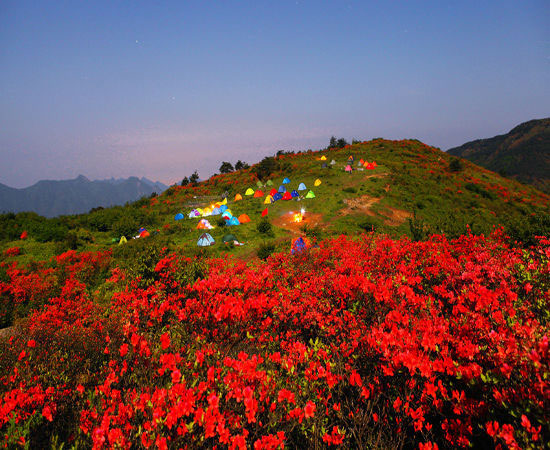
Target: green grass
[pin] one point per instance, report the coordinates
(410, 177)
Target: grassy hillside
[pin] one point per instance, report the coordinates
(523, 153)
(367, 341)
(413, 184)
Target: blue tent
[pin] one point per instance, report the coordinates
(216, 211)
(233, 221)
(223, 208)
(302, 187)
(295, 194)
(277, 196)
(227, 214)
(205, 240)
(286, 181)
(298, 246)
(179, 216)
(282, 189)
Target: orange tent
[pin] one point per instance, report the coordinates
(238, 197)
(144, 233)
(258, 193)
(243, 218)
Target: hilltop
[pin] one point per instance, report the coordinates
(415, 190)
(523, 153)
(51, 198)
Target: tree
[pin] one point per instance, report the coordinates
(239, 165)
(226, 167)
(341, 143)
(185, 181)
(332, 142)
(455, 165)
(266, 167)
(193, 179)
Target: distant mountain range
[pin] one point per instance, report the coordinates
(52, 198)
(523, 153)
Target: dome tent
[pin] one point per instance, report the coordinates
(282, 189)
(233, 221)
(277, 196)
(287, 196)
(249, 191)
(205, 240)
(243, 218)
(178, 216)
(294, 194)
(238, 197)
(302, 187)
(268, 200)
(310, 194)
(317, 182)
(286, 181)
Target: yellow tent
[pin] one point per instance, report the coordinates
(323, 158)
(268, 200)
(238, 197)
(317, 182)
(224, 201)
(249, 191)
(122, 240)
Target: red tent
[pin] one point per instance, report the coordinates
(264, 212)
(273, 191)
(287, 196)
(258, 193)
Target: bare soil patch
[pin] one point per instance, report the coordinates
(359, 205)
(394, 216)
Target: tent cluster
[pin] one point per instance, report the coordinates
(206, 240)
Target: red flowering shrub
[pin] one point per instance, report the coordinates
(369, 343)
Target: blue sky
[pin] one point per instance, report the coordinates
(120, 88)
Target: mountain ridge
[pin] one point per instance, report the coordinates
(51, 198)
(523, 153)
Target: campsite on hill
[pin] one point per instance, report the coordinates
(379, 294)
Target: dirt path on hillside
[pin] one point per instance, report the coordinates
(361, 204)
(394, 216)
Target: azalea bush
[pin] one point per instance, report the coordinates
(360, 343)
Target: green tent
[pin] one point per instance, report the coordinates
(259, 184)
(269, 183)
(310, 194)
(229, 238)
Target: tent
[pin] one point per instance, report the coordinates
(323, 158)
(207, 212)
(369, 166)
(302, 187)
(317, 182)
(350, 159)
(204, 225)
(282, 189)
(233, 221)
(299, 244)
(141, 230)
(194, 214)
(238, 197)
(348, 168)
(122, 240)
(229, 238)
(217, 211)
(286, 181)
(310, 194)
(287, 196)
(178, 216)
(258, 194)
(361, 161)
(332, 162)
(272, 192)
(277, 196)
(224, 202)
(243, 218)
(259, 184)
(227, 215)
(264, 212)
(294, 194)
(144, 234)
(324, 166)
(205, 240)
(268, 200)
(249, 191)
(223, 208)
(269, 183)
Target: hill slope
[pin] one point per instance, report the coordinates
(415, 190)
(523, 153)
(51, 198)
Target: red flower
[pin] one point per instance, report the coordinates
(47, 413)
(309, 410)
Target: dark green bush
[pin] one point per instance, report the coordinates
(264, 226)
(265, 250)
(351, 190)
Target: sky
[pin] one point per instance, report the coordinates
(160, 89)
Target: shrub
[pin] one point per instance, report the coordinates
(351, 190)
(455, 165)
(265, 250)
(264, 226)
